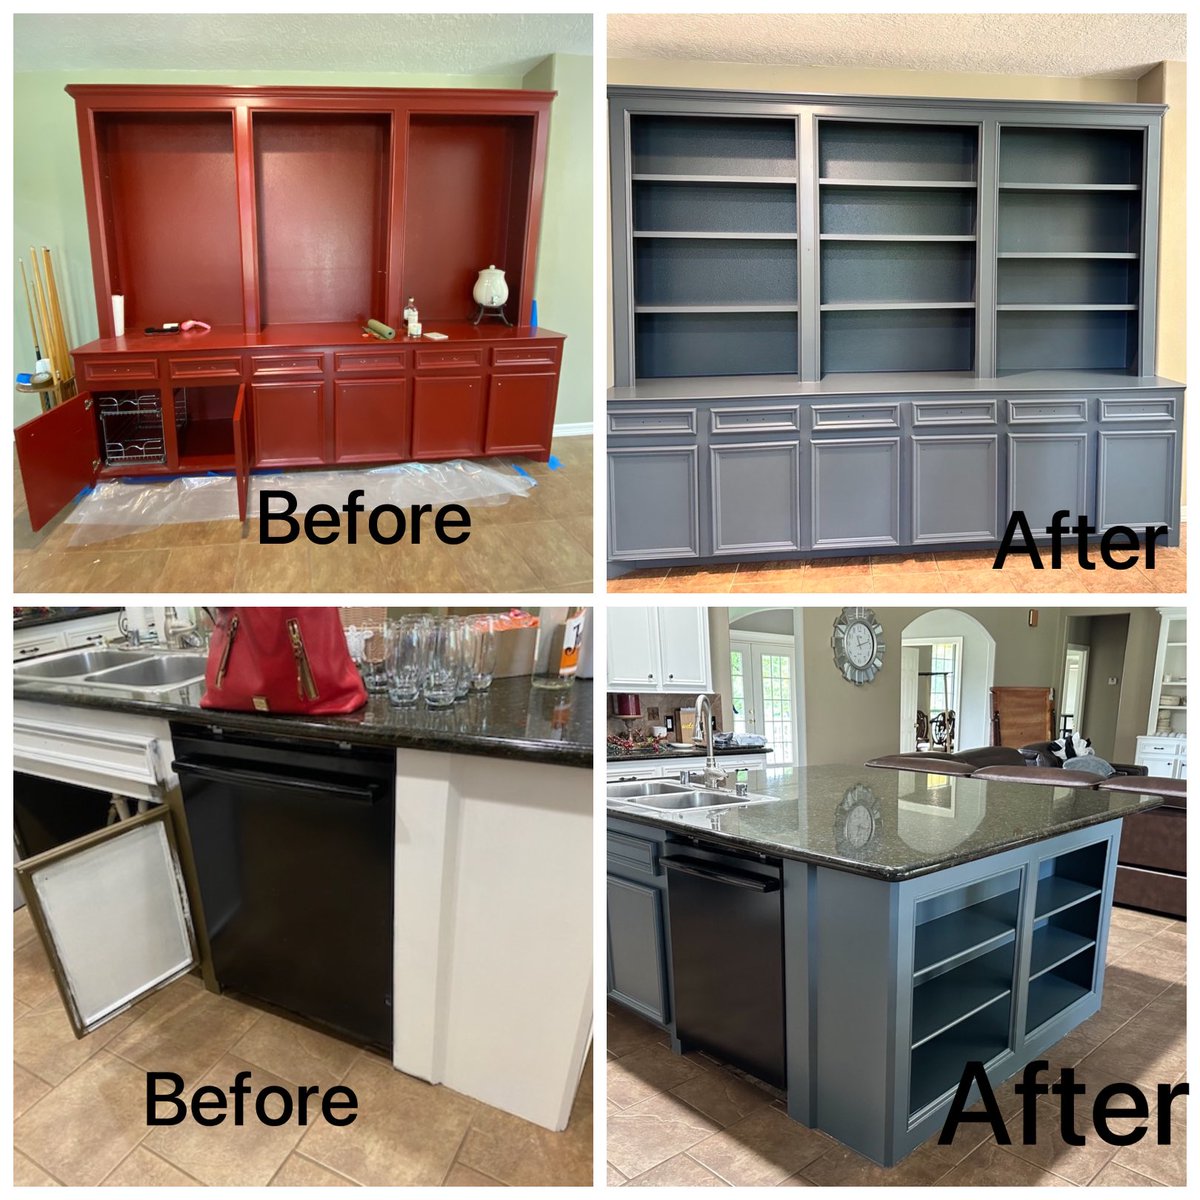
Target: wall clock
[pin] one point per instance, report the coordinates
(858, 645)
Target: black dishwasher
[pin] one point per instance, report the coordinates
(293, 846)
(726, 918)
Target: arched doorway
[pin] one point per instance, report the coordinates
(947, 659)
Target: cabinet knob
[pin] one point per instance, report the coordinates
(651, 675)
(670, 676)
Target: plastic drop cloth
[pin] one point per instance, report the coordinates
(116, 508)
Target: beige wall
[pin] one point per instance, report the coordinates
(845, 723)
(1164, 84)
(1107, 640)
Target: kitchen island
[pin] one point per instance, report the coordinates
(857, 936)
(489, 861)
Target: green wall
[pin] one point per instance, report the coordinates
(48, 208)
(564, 274)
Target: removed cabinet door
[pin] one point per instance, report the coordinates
(110, 946)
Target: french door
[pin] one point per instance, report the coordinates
(764, 697)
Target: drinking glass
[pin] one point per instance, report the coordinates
(407, 658)
(445, 663)
(483, 662)
(466, 631)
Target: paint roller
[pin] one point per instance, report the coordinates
(380, 330)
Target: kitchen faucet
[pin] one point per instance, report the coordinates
(713, 775)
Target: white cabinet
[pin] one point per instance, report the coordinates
(659, 650)
(634, 661)
(1165, 757)
(90, 630)
(683, 638)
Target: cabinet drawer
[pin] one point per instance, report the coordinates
(205, 368)
(287, 364)
(954, 412)
(652, 420)
(117, 370)
(632, 856)
(376, 362)
(44, 645)
(441, 360)
(1167, 746)
(508, 356)
(1038, 412)
(1161, 408)
(857, 416)
(755, 420)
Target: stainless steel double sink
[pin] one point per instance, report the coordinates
(661, 795)
(145, 671)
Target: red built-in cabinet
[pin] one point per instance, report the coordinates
(285, 218)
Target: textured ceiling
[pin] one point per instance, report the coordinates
(446, 43)
(1117, 45)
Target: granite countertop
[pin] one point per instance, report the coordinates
(665, 753)
(913, 824)
(33, 620)
(511, 720)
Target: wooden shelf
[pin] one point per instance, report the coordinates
(1121, 254)
(1055, 893)
(1049, 995)
(956, 938)
(715, 308)
(1053, 946)
(898, 237)
(778, 180)
(1066, 308)
(894, 305)
(953, 184)
(945, 1001)
(1070, 187)
(724, 236)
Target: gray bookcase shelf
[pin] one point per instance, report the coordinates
(956, 184)
(763, 180)
(736, 236)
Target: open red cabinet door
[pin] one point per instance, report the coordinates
(241, 451)
(59, 453)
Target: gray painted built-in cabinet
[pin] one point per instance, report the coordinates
(867, 325)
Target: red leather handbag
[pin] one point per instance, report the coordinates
(281, 660)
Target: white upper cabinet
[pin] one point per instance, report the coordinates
(683, 638)
(658, 650)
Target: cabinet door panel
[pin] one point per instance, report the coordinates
(1047, 473)
(636, 948)
(289, 424)
(102, 966)
(683, 637)
(633, 657)
(755, 497)
(241, 451)
(59, 453)
(856, 492)
(653, 505)
(520, 416)
(1137, 482)
(370, 420)
(447, 416)
(955, 488)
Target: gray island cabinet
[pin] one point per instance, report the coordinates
(867, 325)
(862, 936)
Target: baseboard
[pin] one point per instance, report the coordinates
(574, 429)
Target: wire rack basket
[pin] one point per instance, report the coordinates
(132, 427)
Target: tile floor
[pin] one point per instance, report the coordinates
(966, 572)
(542, 542)
(79, 1106)
(692, 1122)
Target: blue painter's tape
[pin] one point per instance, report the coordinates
(553, 463)
(521, 471)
